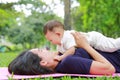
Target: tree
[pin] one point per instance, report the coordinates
(67, 17)
(98, 15)
(7, 18)
(22, 35)
(29, 33)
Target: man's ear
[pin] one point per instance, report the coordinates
(57, 33)
(43, 63)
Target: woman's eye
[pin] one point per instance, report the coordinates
(40, 50)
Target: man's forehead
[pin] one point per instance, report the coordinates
(48, 34)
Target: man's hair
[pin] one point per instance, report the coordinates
(50, 25)
(27, 63)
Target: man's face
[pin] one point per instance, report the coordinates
(53, 37)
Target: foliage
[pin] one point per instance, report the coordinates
(22, 35)
(6, 12)
(28, 31)
(98, 15)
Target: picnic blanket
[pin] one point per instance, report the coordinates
(5, 75)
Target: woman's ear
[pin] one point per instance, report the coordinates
(43, 63)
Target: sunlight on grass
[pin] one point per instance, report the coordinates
(6, 58)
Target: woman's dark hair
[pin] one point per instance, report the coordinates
(27, 63)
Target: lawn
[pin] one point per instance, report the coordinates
(6, 58)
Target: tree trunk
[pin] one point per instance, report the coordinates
(67, 15)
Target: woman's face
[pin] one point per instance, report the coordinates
(47, 58)
(44, 54)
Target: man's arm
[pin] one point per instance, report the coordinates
(70, 51)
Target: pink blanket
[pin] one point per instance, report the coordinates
(4, 75)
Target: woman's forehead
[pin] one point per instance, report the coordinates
(36, 50)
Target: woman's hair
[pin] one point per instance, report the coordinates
(27, 63)
(50, 25)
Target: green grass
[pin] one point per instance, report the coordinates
(7, 57)
(74, 78)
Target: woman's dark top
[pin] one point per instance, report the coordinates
(81, 61)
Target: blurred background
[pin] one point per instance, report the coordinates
(21, 22)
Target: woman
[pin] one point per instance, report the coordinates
(85, 60)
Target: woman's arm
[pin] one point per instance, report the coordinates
(100, 65)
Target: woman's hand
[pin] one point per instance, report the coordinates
(80, 39)
(100, 65)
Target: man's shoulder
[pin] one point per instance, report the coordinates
(67, 34)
